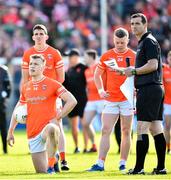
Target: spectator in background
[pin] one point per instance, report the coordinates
(94, 104)
(65, 17)
(167, 101)
(75, 82)
(5, 91)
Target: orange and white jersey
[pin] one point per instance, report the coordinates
(92, 92)
(167, 83)
(40, 97)
(53, 60)
(113, 79)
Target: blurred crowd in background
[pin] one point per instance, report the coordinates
(76, 23)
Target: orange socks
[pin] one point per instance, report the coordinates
(62, 156)
(51, 161)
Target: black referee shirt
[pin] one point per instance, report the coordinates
(148, 48)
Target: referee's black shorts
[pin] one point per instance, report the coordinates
(150, 103)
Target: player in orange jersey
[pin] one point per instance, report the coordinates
(167, 101)
(94, 104)
(54, 69)
(116, 102)
(40, 94)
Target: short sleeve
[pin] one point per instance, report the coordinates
(60, 89)
(25, 61)
(151, 48)
(101, 63)
(58, 60)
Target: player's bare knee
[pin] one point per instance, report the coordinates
(106, 130)
(126, 132)
(53, 131)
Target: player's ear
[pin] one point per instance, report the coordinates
(47, 37)
(33, 38)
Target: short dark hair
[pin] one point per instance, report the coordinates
(72, 52)
(40, 26)
(92, 53)
(121, 32)
(142, 16)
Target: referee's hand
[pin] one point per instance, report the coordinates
(128, 71)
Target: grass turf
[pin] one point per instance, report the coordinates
(17, 163)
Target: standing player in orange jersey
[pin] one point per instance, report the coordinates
(167, 101)
(54, 69)
(116, 102)
(94, 104)
(42, 132)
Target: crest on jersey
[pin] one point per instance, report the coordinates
(49, 56)
(44, 87)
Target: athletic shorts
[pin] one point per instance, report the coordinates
(96, 106)
(37, 144)
(124, 108)
(167, 109)
(78, 109)
(149, 103)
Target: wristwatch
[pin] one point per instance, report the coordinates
(134, 72)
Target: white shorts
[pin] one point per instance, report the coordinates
(167, 109)
(124, 108)
(37, 144)
(95, 106)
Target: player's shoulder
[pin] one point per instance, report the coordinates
(53, 50)
(107, 54)
(131, 51)
(51, 81)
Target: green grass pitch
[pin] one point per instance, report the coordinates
(17, 163)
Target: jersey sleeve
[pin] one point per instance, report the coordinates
(151, 49)
(101, 63)
(58, 60)
(25, 61)
(60, 89)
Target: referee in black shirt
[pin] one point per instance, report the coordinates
(150, 95)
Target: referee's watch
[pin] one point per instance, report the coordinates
(134, 72)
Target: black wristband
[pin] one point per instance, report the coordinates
(134, 72)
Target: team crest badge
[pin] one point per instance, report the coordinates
(49, 56)
(44, 87)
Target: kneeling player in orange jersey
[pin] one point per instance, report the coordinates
(40, 94)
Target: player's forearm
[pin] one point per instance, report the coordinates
(13, 125)
(13, 122)
(149, 67)
(98, 82)
(68, 106)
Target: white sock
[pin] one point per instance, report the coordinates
(122, 162)
(100, 162)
